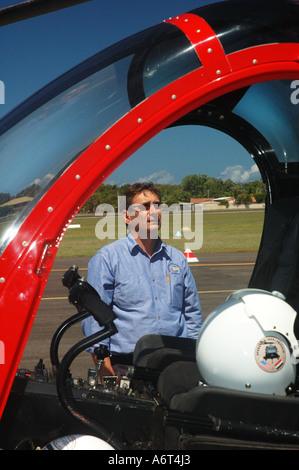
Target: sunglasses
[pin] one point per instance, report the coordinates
(143, 207)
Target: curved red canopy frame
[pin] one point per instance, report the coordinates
(27, 260)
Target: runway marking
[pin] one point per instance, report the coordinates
(54, 298)
(214, 291)
(190, 264)
(64, 270)
(199, 292)
(224, 264)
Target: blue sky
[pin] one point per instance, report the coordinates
(36, 51)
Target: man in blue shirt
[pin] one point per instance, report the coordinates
(147, 283)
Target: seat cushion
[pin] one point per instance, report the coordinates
(158, 351)
(177, 379)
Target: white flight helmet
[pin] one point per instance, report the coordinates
(78, 442)
(248, 343)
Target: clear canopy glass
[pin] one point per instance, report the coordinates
(41, 139)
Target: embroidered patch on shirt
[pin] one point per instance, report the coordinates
(174, 268)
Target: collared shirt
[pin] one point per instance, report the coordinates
(149, 295)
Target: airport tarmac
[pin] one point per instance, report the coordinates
(216, 276)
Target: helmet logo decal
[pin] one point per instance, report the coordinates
(270, 354)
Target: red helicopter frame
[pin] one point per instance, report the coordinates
(26, 261)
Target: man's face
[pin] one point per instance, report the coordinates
(144, 215)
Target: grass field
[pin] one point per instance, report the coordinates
(222, 232)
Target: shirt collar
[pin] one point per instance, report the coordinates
(132, 244)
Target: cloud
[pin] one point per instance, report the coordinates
(43, 182)
(159, 177)
(238, 174)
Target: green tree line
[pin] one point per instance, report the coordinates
(192, 186)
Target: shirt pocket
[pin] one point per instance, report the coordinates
(177, 290)
(130, 293)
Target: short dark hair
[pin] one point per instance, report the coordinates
(137, 188)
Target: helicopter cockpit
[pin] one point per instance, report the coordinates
(232, 66)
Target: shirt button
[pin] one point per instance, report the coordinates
(159, 318)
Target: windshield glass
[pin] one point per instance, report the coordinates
(272, 108)
(39, 147)
(66, 117)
